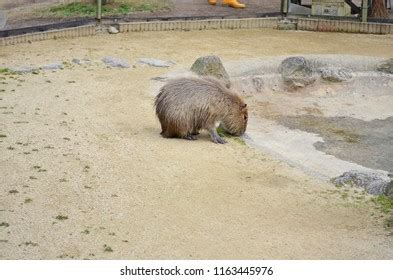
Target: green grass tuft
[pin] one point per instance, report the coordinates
(385, 203)
(224, 134)
(119, 7)
(4, 70)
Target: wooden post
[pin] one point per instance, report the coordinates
(99, 4)
(285, 6)
(364, 10)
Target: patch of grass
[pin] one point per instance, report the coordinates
(384, 202)
(224, 134)
(72, 9)
(4, 224)
(5, 71)
(118, 7)
(86, 231)
(13, 192)
(28, 200)
(3, 136)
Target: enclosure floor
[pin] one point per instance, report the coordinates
(84, 168)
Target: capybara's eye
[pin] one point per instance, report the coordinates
(245, 117)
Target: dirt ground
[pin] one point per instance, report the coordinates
(86, 175)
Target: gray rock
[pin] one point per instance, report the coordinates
(334, 74)
(23, 69)
(53, 66)
(258, 83)
(82, 61)
(113, 30)
(386, 66)
(372, 183)
(296, 72)
(211, 66)
(115, 62)
(156, 62)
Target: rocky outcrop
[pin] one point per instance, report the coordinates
(211, 66)
(296, 72)
(335, 74)
(386, 66)
(372, 183)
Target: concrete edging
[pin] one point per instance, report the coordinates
(210, 24)
(199, 24)
(344, 26)
(80, 31)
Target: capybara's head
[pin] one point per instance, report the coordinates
(235, 122)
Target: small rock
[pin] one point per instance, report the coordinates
(373, 183)
(23, 69)
(211, 66)
(296, 72)
(248, 85)
(156, 62)
(386, 66)
(113, 30)
(82, 61)
(159, 78)
(116, 62)
(257, 81)
(333, 74)
(53, 66)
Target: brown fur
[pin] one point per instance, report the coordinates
(186, 105)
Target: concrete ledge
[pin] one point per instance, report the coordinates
(211, 24)
(80, 31)
(343, 26)
(199, 24)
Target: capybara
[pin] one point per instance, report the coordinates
(186, 105)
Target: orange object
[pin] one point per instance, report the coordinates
(230, 3)
(233, 4)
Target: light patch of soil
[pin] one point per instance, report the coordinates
(113, 188)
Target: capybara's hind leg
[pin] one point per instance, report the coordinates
(215, 137)
(168, 134)
(190, 137)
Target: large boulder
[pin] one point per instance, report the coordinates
(386, 66)
(372, 183)
(335, 74)
(296, 72)
(211, 66)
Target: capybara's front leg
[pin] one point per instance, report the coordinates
(215, 137)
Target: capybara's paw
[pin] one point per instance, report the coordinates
(218, 140)
(190, 137)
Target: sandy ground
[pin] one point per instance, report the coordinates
(85, 173)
